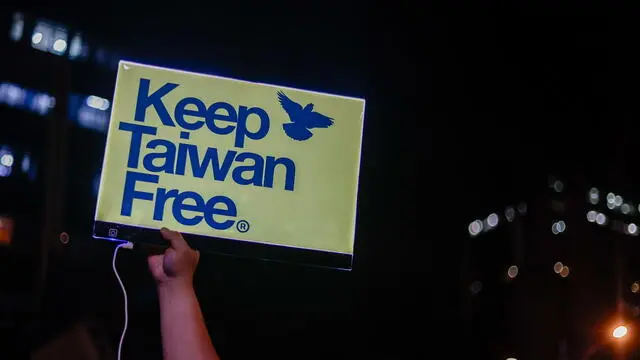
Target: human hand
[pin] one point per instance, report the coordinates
(176, 266)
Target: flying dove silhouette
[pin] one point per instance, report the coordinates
(302, 119)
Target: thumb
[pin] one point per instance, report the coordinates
(175, 239)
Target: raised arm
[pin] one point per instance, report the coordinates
(184, 333)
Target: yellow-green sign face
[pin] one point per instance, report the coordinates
(232, 159)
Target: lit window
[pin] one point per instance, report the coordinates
(475, 227)
(6, 161)
(522, 208)
(12, 95)
(557, 267)
(48, 38)
(492, 220)
(594, 196)
(558, 227)
(475, 287)
(78, 49)
(17, 27)
(25, 99)
(558, 186)
(59, 42)
(97, 102)
(41, 37)
(90, 112)
(509, 213)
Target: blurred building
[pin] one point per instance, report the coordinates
(52, 71)
(55, 88)
(546, 278)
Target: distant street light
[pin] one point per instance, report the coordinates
(620, 332)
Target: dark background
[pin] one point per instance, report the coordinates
(533, 92)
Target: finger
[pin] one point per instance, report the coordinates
(155, 260)
(197, 257)
(175, 239)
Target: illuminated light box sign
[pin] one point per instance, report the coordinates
(241, 168)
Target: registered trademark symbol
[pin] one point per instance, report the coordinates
(243, 226)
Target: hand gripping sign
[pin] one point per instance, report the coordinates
(242, 168)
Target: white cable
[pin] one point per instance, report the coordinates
(126, 245)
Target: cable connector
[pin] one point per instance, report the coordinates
(127, 245)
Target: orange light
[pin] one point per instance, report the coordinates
(6, 230)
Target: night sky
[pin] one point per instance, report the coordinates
(534, 91)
